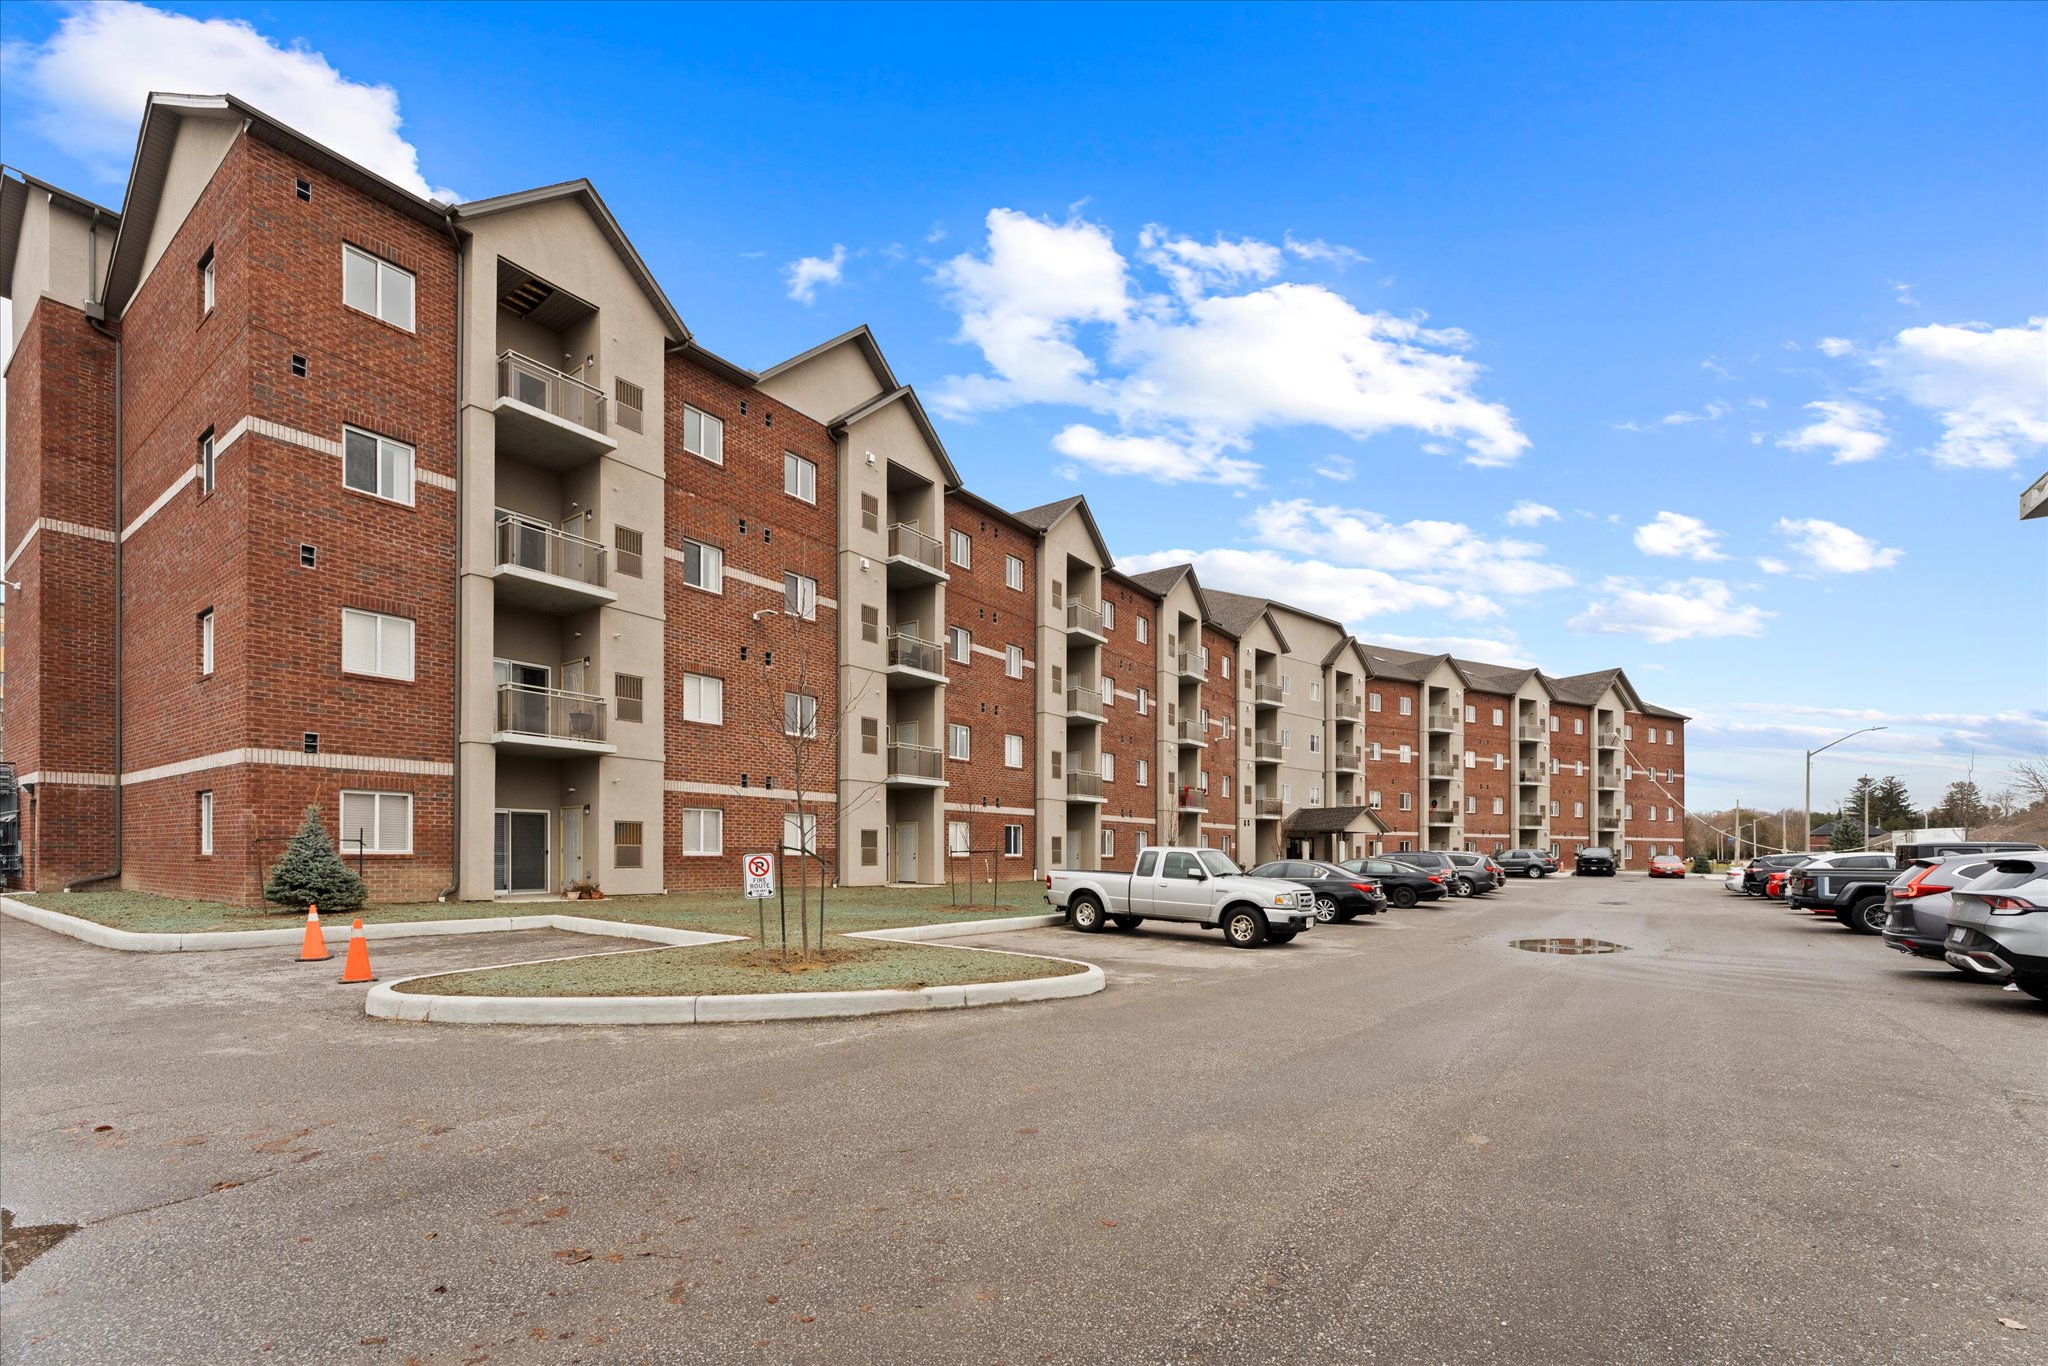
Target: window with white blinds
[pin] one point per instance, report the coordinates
(376, 465)
(381, 821)
(372, 643)
(704, 699)
(703, 831)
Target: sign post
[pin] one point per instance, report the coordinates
(759, 871)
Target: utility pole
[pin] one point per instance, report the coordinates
(1864, 843)
(1806, 814)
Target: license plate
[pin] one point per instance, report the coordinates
(1959, 934)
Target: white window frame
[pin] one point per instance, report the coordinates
(1407, 801)
(708, 688)
(376, 622)
(959, 741)
(1407, 706)
(802, 824)
(383, 271)
(960, 548)
(209, 462)
(799, 477)
(799, 595)
(206, 282)
(1108, 616)
(1144, 630)
(1013, 572)
(1372, 701)
(1013, 841)
(710, 563)
(206, 822)
(206, 643)
(343, 834)
(1108, 766)
(959, 644)
(710, 436)
(1108, 843)
(1013, 661)
(1013, 751)
(1144, 773)
(389, 456)
(710, 821)
(806, 719)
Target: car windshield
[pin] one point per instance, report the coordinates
(1218, 864)
(1597, 851)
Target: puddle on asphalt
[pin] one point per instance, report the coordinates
(20, 1246)
(1568, 946)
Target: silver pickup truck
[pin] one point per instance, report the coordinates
(1200, 886)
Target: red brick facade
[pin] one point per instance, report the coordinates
(1492, 775)
(1571, 787)
(1387, 775)
(985, 790)
(1131, 811)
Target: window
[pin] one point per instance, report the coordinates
(630, 690)
(1144, 700)
(1013, 661)
(309, 556)
(1500, 763)
(1553, 725)
(704, 699)
(800, 596)
(1315, 743)
(1109, 844)
(1013, 751)
(1470, 759)
(1471, 714)
(303, 188)
(1372, 799)
(1286, 737)
(1226, 787)
(703, 435)
(310, 741)
(1578, 808)
(206, 643)
(800, 832)
(800, 715)
(206, 282)
(1628, 811)
(629, 546)
(1407, 706)
(1056, 844)
(959, 644)
(1669, 737)
(628, 839)
(1226, 666)
(703, 566)
(1471, 806)
(870, 848)
(1579, 725)
(1497, 716)
(956, 741)
(1286, 685)
(1628, 732)
(298, 366)
(206, 822)
(376, 287)
(1108, 616)
(1669, 816)
(1653, 814)
(376, 465)
(1144, 630)
(1407, 804)
(799, 477)
(1375, 748)
(1108, 767)
(703, 831)
(1315, 690)
(1372, 701)
(1407, 754)
(1144, 773)
(959, 839)
(206, 462)
(1315, 794)
(1554, 809)
(870, 735)
(1499, 807)
(1287, 792)
(960, 549)
(372, 643)
(1013, 841)
(376, 822)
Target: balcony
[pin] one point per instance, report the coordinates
(915, 557)
(1267, 694)
(1190, 665)
(1529, 815)
(1443, 766)
(548, 721)
(1349, 711)
(1444, 817)
(1193, 733)
(1349, 760)
(548, 570)
(1266, 751)
(1442, 720)
(1609, 738)
(1608, 779)
(1083, 785)
(1085, 619)
(914, 663)
(1530, 777)
(548, 418)
(1267, 808)
(917, 765)
(1085, 705)
(1192, 799)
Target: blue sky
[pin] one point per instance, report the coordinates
(1706, 341)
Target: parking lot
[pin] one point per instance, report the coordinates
(1752, 1136)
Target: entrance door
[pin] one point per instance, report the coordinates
(521, 852)
(906, 852)
(572, 844)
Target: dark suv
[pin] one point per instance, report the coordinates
(1528, 862)
(1470, 873)
(1595, 860)
(1758, 874)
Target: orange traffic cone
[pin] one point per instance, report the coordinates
(314, 949)
(356, 968)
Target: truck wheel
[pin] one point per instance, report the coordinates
(1326, 910)
(1868, 915)
(1128, 922)
(1085, 913)
(1280, 936)
(1244, 928)
(1404, 897)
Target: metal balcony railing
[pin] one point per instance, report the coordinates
(1191, 665)
(1609, 738)
(1609, 777)
(1192, 733)
(1443, 720)
(1267, 694)
(528, 381)
(1350, 758)
(1529, 815)
(1193, 799)
(1529, 775)
(532, 544)
(1443, 767)
(1445, 816)
(1082, 783)
(1266, 751)
(1082, 616)
(1350, 711)
(907, 542)
(527, 710)
(1085, 701)
(916, 761)
(1267, 808)
(908, 652)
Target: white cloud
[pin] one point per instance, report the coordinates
(1526, 513)
(1160, 459)
(1832, 547)
(1060, 316)
(1316, 249)
(1773, 566)
(1443, 554)
(1689, 609)
(87, 83)
(1713, 412)
(1853, 431)
(1338, 469)
(1985, 385)
(1675, 535)
(808, 274)
(1347, 593)
(1714, 366)
(1836, 346)
(1904, 292)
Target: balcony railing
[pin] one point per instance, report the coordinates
(1191, 665)
(1267, 694)
(1529, 775)
(525, 380)
(916, 761)
(558, 715)
(1267, 808)
(1084, 701)
(1266, 751)
(1609, 777)
(1083, 617)
(1609, 738)
(1192, 733)
(1350, 711)
(1529, 815)
(908, 652)
(1350, 758)
(1443, 720)
(1082, 783)
(1443, 767)
(1193, 799)
(1444, 816)
(908, 543)
(533, 544)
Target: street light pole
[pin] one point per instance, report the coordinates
(1806, 814)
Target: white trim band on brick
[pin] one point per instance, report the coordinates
(291, 758)
(57, 524)
(60, 778)
(780, 794)
(970, 807)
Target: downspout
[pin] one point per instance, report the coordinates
(455, 787)
(99, 306)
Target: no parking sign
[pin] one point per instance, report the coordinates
(760, 875)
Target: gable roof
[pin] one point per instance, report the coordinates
(1582, 690)
(1491, 678)
(981, 504)
(593, 203)
(1409, 666)
(1233, 613)
(1160, 582)
(1046, 516)
(903, 394)
(860, 337)
(15, 188)
(1333, 820)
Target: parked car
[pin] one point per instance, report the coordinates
(1849, 887)
(1528, 862)
(1340, 895)
(1759, 870)
(1196, 886)
(1733, 882)
(1667, 865)
(1595, 860)
(1998, 923)
(1918, 900)
(1774, 885)
(1466, 877)
(1403, 883)
(1474, 864)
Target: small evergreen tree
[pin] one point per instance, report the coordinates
(311, 872)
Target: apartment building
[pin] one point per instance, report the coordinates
(439, 520)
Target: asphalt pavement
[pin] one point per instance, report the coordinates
(1750, 1137)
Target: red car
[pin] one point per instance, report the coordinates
(1774, 887)
(1667, 865)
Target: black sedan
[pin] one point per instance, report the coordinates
(1403, 885)
(1340, 895)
